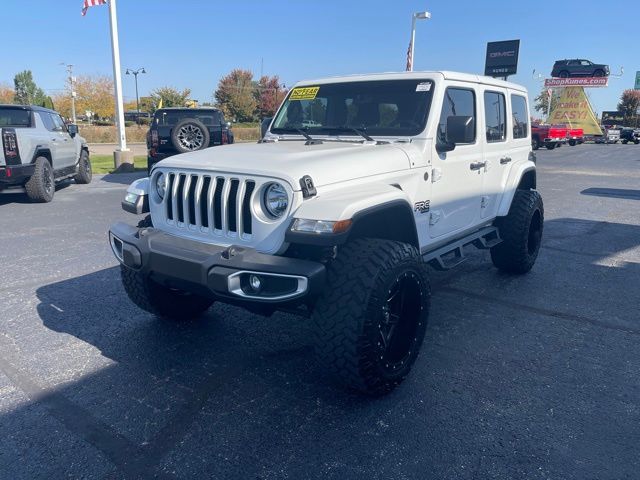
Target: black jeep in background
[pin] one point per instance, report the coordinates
(578, 67)
(628, 135)
(180, 130)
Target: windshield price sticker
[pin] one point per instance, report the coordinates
(423, 87)
(304, 93)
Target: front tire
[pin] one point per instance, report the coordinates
(550, 146)
(84, 174)
(160, 300)
(41, 186)
(535, 143)
(521, 232)
(371, 319)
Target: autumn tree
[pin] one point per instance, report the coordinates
(171, 97)
(235, 95)
(269, 94)
(93, 93)
(7, 94)
(26, 92)
(629, 105)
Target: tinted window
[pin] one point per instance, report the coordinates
(15, 117)
(58, 123)
(382, 107)
(48, 121)
(495, 116)
(457, 102)
(172, 117)
(520, 117)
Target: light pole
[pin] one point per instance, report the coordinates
(416, 16)
(73, 93)
(135, 73)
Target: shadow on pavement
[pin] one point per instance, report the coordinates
(123, 178)
(628, 194)
(233, 395)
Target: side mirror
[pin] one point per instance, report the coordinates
(460, 129)
(264, 126)
(72, 129)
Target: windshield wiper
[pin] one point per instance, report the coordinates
(309, 138)
(362, 132)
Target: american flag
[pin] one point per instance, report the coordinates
(409, 59)
(91, 3)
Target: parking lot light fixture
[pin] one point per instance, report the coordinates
(135, 73)
(416, 16)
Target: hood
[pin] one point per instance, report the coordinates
(326, 163)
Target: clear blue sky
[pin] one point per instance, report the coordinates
(192, 43)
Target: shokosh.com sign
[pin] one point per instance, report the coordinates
(577, 82)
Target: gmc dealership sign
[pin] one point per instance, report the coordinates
(502, 58)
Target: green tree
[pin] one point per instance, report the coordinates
(629, 105)
(542, 102)
(26, 90)
(235, 95)
(171, 97)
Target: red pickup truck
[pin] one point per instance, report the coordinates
(550, 136)
(575, 136)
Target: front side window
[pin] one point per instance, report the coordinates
(520, 116)
(15, 117)
(495, 116)
(382, 107)
(457, 102)
(58, 123)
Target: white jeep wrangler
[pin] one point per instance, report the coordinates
(359, 183)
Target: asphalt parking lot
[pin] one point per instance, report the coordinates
(519, 377)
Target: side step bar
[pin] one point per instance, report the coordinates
(483, 239)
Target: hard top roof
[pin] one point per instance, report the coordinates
(443, 74)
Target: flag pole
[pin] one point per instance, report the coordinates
(122, 155)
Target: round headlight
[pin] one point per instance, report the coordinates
(276, 200)
(161, 184)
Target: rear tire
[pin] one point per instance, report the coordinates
(564, 74)
(84, 174)
(41, 186)
(371, 319)
(160, 300)
(535, 143)
(521, 232)
(572, 143)
(550, 146)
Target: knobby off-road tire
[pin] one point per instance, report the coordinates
(84, 174)
(190, 135)
(160, 300)
(521, 232)
(41, 186)
(371, 319)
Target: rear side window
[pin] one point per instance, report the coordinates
(495, 115)
(173, 117)
(48, 121)
(457, 102)
(15, 117)
(520, 117)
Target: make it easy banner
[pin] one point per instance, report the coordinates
(573, 109)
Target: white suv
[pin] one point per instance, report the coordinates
(359, 183)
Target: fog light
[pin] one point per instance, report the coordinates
(255, 283)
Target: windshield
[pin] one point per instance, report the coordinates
(384, 108)
(15, 117)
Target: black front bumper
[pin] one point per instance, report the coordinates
(13, 175)
(218, 272)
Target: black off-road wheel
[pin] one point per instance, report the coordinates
(162, 301)
(190, 135)
(84, 174)
(564, 74)
(598, 73)
(41, 186)
(521, 232)
(535, 143)
(371, 319)
(550, 146)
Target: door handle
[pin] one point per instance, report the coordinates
(477, 165)
(53, 140)
(505, 160)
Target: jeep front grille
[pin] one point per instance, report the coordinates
(219, 205)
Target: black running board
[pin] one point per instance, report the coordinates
(452, 254)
